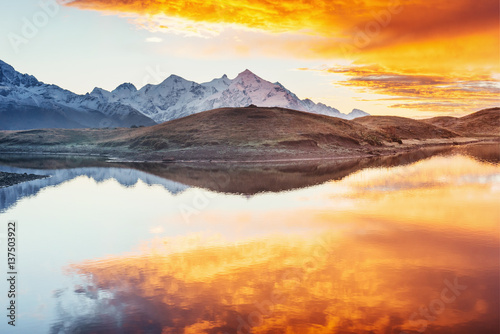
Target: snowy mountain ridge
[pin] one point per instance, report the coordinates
(27, 103)
(177, 97)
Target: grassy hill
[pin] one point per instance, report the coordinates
(482, 123)
(254, 133)
(250, 128)
(404, 128)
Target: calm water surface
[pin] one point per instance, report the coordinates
(406, 244)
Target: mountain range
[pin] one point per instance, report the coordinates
(27, 103)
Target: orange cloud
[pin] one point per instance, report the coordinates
(365, 24)
(442, 38)
(428, 92)
(413, 20)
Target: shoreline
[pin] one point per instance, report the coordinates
(191, 171)
(169, 157)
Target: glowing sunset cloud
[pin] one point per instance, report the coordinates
(402, 21)
(433, 92)
(456, 43)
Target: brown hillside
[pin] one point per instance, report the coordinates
(482, 123)
(253, 134)
(404, 128)
(251, 128)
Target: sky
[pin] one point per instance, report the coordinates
(413, 58)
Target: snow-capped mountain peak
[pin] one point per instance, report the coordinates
(248, 78)
(355, 113)
(9, 76)
(123, 91)
(177, 97)
(172, 84)
(218, 85)
(125, 87)
(99, 92)
(26, 103)
(173, 98)
(174, 80)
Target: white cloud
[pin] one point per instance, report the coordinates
(154, 39)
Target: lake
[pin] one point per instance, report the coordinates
(401, 244)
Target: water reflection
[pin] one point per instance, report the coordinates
(358, 247)
(254, 178)
(410, 249)
(245, 179)
(126, 177)
(358, 283)
(486, 152)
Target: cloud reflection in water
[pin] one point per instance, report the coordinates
(420, 253)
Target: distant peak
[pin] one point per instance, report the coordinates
(224, 76)
(176, 77)
(97, 90)
(246, 72)
(355, 113)
(248, 75)
(10, 76)
(358, 111)
(173, 78)
(126, 86)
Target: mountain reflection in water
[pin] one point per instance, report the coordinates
(404, 244)
(417, 251)
(243, 178)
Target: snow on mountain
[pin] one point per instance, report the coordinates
(218, 85)
(124, 90)
(28, 103)
(176, 97)
(355, 113)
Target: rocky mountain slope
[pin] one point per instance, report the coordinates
(26, 103)
(176, 97)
